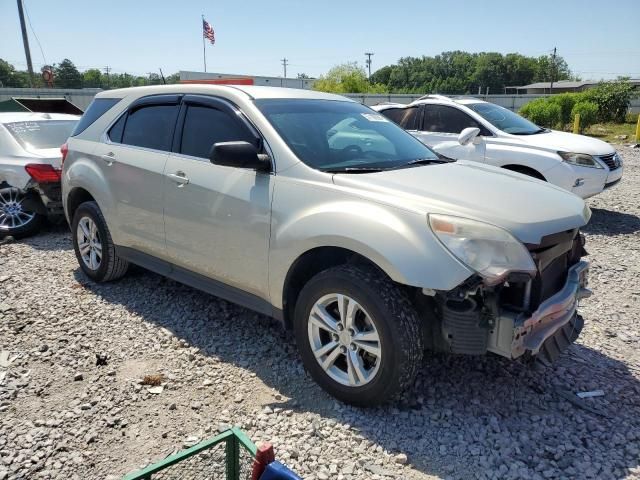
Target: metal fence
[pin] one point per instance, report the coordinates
(82, 97)
(227, 456)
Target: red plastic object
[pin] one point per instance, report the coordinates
(43, 172)
(264, 456)
(64, 149)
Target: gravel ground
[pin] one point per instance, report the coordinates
(61, 416)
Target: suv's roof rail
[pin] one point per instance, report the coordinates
(434, 97)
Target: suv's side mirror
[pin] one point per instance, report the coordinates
(468, 135)
(239, 155)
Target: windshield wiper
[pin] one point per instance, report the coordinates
(355, 170)
(540, 130)
(426, 161)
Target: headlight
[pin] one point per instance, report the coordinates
(580, 159)
(489, 250)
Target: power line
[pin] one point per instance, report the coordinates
(553, 67)
(284, 65)
(368, 61)
(107, 69)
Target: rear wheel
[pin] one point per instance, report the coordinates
(358, 334)
(93, 245)
(15, 219)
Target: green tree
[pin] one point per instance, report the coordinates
(346, 78)
(489, 73)
(173, 78)
(66, 75)
(381, 75)
(92, 78)
(6, 73)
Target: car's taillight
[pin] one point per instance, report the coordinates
(64, 149)
(43, 172)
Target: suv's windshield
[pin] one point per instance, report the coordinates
(41, 133)
(505, 119)
(340, 136)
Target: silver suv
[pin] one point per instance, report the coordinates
(320, 212)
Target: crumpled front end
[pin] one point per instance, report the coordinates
(522, 316)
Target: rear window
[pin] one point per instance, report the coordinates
(41, 133)
(98, 107)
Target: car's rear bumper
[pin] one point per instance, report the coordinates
(551, 328)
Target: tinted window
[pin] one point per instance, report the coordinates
(98, 107)
(443, 119)
(342, 136)
(405, 117)
(151, 127)
(505, 120)
(41, 134)
(115, 132)
(204, 126)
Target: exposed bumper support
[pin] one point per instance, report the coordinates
(515, 335)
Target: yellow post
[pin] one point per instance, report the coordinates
(638, 130)
(576, 124)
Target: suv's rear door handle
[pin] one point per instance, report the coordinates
(109, 158)
(179, 177)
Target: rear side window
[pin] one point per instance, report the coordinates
(204, 126)
(98, 107)
(115, 132)
(151, 127)
(443, 119)
(405, 117)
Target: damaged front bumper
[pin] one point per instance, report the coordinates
(550, 329)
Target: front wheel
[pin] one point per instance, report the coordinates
(15, 219)
(358, 334)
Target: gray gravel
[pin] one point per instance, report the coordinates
(61, 416)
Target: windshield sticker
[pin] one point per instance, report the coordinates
(374, 117)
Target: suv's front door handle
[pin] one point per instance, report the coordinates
(109, 158)
(179, 177)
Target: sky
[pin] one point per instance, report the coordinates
(598, 39)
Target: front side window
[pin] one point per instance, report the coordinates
(204, 126)
(443, 119)
(341, 136)
(505, 119)
(41, 133)
(151, 127)
(405, 117)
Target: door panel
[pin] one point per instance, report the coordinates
(218, 223)
(135, 176)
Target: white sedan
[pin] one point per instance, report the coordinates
(471, 129)
(30, 163)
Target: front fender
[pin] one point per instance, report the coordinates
(398, 241)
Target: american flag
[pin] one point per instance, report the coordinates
(207, 31)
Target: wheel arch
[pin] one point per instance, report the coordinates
(309, 264)
(532, 172)
(76, 197)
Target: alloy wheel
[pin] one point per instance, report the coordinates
(89, 243)
(344, 340)
(12, 213)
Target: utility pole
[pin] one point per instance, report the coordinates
(25, 40)
(107, 69)
(284, 64)
(368, 62)
(553, 68)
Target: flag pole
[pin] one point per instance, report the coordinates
(204, 48)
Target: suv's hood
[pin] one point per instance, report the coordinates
(528, 208)
(564, 142)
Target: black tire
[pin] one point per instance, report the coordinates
(394, 317)
(31, 227)
(111, 267)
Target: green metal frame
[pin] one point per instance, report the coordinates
(234, 439)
